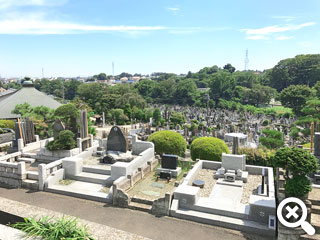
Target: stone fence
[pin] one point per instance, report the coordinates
(10, 157)
(6, 137)
(12, 174)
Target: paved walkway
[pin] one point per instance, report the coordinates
(136, 222)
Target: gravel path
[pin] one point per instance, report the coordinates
(251, 187)
(206, 175)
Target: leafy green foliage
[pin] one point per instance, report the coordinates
(168, 142)
(272, 139)
(257, 156)
(298, 161)
(303, 70)
(51, 229)
(65, 141)
(295, 97)
(7, 124)
(177, 118)
(208, 148)
(157, 116)
(298, 186)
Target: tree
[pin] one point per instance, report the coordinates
(186, 92)
(90, 93)
(68, 113)
(157, 116)
(301, 70)
(295, 97)
(229, 68)
(273, 139)
(65, 141)
(297, 163)
(222, 85)
(177, 118)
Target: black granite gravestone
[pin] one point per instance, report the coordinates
(169, 161)
(116, 140)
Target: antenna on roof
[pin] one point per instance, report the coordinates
(246, 61)
(112, 68)
(42, 73)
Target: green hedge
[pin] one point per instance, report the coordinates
(257, 156)
(168, 142)
(298, 186)
(208, 148)
(7, 124)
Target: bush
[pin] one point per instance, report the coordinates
(272, 139)
(298, 161)
(168, 142)
(257, 156)
(208, 148)
(298, 186)
(65, 141)
(7, 124)
(47, 228)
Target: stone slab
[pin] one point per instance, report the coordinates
(236, 183)
(174, 172)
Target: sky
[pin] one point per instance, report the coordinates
(70, 38)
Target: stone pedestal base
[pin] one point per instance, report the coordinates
(174, 172)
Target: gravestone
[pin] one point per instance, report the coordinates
(233, 162)
(169, 161)
(116, 140)
(57, 128)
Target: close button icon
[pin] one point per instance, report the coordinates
(292, 212)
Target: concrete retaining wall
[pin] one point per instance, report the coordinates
(54, 178)
(120, 169)
(12, 174)
(140, 146)
(161, 206)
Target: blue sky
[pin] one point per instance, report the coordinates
(82, 38)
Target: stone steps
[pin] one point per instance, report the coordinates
(97, 170)
(30, 184)
(307, 237)
(84, 190)
(140, 207)
(29, 154)
(33, 175)
(26, 160)
(142, 201)
(93, 178)
(315, 209)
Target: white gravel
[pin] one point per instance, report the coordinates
(250, 188)
(206, 175)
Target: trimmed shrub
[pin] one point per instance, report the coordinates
(298, 186)
(168, 142)
(65, 141)
(257, 156)
(208, 148)
(7, 124)
(298, 161)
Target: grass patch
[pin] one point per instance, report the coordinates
(53, 229)
(66, 181)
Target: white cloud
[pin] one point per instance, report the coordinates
(174, 10)
(261, 33)
(276, 29)
(283, 38)
(38, 26)
(285, 18)
(256, 37)
(20, 3)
